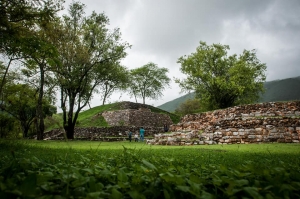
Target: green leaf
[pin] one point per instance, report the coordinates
(136, 195)
(241, 182)
(149, 165)
(87, 170)
(28, 186)
(93, 195)
(252, 191)
(166, 194)
(183, 188)
(122, 176)
(115, 194)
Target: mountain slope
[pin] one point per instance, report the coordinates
(282, 90)
(172, 105)
(278, 90)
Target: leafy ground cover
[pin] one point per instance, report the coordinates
(78, 169)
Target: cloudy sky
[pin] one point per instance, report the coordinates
(161, 31)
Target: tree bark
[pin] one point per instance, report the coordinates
(39, 110)
(69, 128)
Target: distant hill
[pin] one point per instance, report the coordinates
(278, 90)
(172, 105)
(282, 90)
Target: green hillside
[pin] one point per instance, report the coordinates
(278, 90)
(172, 105)
(282, 90)
(93, 117)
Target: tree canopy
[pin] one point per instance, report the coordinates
(148, 81)
(88, 53)
(219, 80)
(19, 17)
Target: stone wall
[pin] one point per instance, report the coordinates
(102, 133)
(132, 117)
(256, 123)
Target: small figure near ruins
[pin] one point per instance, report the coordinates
(129, 135)
(166, 128)
(142, 132)
(136, 137)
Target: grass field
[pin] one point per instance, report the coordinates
(78, 169)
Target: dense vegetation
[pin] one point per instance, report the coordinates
(73, 55)
(31, 169)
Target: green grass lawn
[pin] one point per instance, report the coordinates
(86, 169)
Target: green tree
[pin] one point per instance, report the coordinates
(19, 17)
(148, 81)
(20, 25)
(87, 51)
(6, 124)
(116, 77)
(20, 102)
(41, 55)
(188, 107)
(219, 80)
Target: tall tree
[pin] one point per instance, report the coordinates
(219, 80)
(19, 23)
(148, 81)
(41, 55)
(87, 51)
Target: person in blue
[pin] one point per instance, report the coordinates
(129, 135)
(142, 132)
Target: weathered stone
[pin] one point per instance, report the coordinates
(277, 123)
(252, 136)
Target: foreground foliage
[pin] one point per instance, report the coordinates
(135, 170)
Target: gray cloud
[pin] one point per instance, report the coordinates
(161, 31)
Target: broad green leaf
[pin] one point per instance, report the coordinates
(149, 165)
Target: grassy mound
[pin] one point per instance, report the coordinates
(93, 118)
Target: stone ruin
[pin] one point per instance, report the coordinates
(131, 117)
(113, 133)
(254, 123)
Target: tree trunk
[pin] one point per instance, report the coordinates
(39, 110)
(25, 132)
(69, 128)
(4, 76)
(70, 131)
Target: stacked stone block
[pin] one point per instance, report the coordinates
(255, 123)
(102, 133)
(132, 117)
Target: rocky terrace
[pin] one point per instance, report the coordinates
(255, 123)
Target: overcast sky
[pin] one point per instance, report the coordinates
(161, 31)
